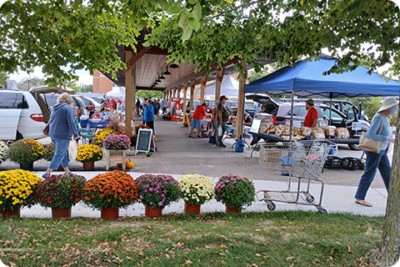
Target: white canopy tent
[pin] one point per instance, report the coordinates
(229, 87)
(117, 92)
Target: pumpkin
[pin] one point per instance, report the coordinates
(129, 164)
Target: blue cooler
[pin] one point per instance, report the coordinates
(83, 121)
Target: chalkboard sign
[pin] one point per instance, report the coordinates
(144, 140)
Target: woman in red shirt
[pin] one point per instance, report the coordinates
(197, 119)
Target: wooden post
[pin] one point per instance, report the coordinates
(240, 112)
(130, 86)
(220, 75)
(185, 87)
(192, 86)
(203, 87)
(178, 91)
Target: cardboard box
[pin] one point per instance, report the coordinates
(342, 133)
(306, 131)
(329, 131)
(318, 133)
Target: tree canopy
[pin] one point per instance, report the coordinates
(66, 36)
(3, 79)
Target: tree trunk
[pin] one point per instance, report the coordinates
(390, 247)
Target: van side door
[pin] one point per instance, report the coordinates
(11, 105)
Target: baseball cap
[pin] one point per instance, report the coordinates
(310, 101)
(223, 97)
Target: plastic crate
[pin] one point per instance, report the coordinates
(352, 164)
(97, 123)
(333, 163)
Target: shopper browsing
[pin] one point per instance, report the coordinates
(311, 119)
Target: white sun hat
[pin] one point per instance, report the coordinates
(388, 103)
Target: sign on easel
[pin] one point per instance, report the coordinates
(144, 141)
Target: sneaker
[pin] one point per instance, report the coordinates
(45, 176)
(190, 135)
(222, 145)
(199, 136)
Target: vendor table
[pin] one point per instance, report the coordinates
(115, 156)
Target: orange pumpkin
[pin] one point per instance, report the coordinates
(129, 164)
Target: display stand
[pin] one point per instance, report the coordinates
(145, 141)
(117, 158)
(175, 116)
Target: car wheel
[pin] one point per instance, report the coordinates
(19, 136)
(354, 147)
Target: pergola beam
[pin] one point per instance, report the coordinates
(136, 57)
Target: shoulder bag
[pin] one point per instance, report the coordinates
(46, 129)
(370, 144)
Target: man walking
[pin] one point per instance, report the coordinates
(164, 105)
(311, 119)
(222, 116)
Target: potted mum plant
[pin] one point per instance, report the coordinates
(156, 192)
(235, 192)
(196, 189)
(16, 188)
(88, 155)
(60, 193)
(101, 135)
(25, 152)
(3, 151)
(117, 142)
(110, 191)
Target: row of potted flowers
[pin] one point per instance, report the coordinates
(116, 189)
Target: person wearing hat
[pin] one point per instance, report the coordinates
(311, 119)
(222, 116)
(379, 161)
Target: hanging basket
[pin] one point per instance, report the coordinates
(234, 210)
(192, 209)
(61, 213)
(88, 166)
(153, 212)
(110, 213)
(9, 213)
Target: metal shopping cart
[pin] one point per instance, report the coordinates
(295, 160)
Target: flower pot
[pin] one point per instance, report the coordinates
(192, 209)
(150, 212)
(26, 167)
(9, 213)
(235, 210)
(61, 213)
(110, 213)
(88, 166)
(60, 168)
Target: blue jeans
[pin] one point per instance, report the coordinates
(374, 161)
(164, 109)
(60, 154)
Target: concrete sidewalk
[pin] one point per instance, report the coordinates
(336, 198)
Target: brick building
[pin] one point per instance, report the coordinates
(101, 84)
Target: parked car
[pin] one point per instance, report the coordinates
(78, 105)
(90, 104)
(282, 112)
(21, 116)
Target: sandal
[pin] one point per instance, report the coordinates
(363, 202)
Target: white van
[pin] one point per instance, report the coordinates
(21, 116)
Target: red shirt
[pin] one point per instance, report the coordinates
(312, 114)
(199, 113)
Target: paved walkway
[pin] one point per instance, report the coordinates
(336, 198)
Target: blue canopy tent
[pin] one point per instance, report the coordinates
(306, 79)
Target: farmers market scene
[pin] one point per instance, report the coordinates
(199, 133)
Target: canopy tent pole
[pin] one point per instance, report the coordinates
(240, 111)
(330, 110)
(291, 116)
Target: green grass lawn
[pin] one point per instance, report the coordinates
(212, 239)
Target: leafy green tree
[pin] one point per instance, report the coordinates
(88, 88)
(25, 82)
(3, 79)
(147, 94)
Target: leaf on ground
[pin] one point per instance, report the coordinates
(258, 255)
(265, 244)
(332, 251)
(187, 262)
(349, 249)
(223, 262)
(222, 246)
(289, 258)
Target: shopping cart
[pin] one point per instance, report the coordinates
(295, 160)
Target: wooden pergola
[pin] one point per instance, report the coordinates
(148, 63)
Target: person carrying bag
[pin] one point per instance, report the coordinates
(376, 143)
